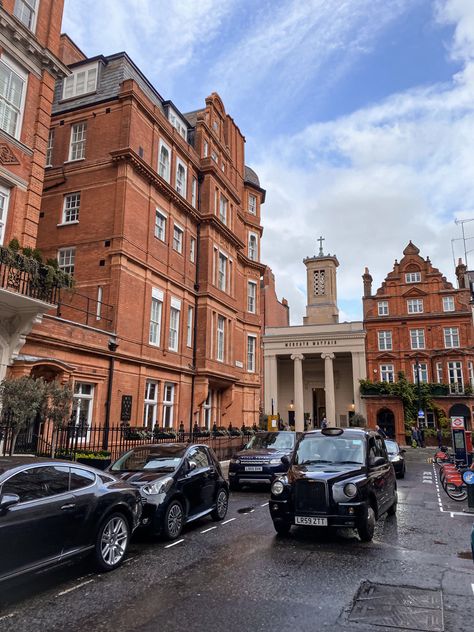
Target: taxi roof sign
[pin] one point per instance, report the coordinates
(332, 432)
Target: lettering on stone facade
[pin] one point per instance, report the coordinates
(311, 343)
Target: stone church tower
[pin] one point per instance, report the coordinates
(321, 308)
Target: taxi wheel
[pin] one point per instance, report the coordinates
(392, 510)
(282, 528)
(366, 530)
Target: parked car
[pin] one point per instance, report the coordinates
(397, 457)
(53, 510)
(260, 461)
(337, 478)
(179, 483)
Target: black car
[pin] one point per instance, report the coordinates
(396, 456)
(179, 483)
(337, 478)
(51, 511)
(261, 459)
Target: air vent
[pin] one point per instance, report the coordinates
(107, 110)
(107, 243)
(61, 122)
(140, 152)
(42, 214)
(102, 262)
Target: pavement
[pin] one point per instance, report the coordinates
(238, 575)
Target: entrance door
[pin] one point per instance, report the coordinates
(386, 420)
(319, 406)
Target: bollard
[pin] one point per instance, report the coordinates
(468, 478)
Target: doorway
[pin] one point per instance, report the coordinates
(319, 406)
(386, 420)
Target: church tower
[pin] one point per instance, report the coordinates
(321, 308)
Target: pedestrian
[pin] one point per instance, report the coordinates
(286, 426)
(324, 422)
(380, 431)
(421, 436)
(439, 436)
(414, 436)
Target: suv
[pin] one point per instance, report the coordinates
(336, 478)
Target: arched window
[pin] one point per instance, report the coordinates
(164, 162)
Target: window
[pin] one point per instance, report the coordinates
(178, 123)
(72, 203)
(49, 149)
(448, 303)
(456, 384)
(207, 411)
(160, 225)
(220, 338)
(189, 332)
(180, 178)
(173, 340)
(417, 338)
(199, 456)
(82, 81)
(382, 308)
(251, 296)
(98, 312)
(439, 372)
(470, 371)
(192, 250)
(451, 337)
(4, 201)
(155, 317)
(252, 204)
(77, 150)
(164, 162)
(177, 238)
(413, 277)
(194, 192)
(83, 399)
(79, 478)
(253, 247)
(168, 405)
(205, 149)
(25, 11)
(12, 96)
(251, 346)
(38, 482)
(214, 156)
(222, 273)
(66, 260)
(387, 374)
(422, 372)
(151, 404)
(223, 210)
(385, 340)
(415, 306)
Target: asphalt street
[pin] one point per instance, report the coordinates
(238, 575)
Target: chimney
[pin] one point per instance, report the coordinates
(367, 278)
(461, 270)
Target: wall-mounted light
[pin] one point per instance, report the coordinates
(291, 405)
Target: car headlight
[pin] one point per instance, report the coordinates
(350, 490)
(396, 458)
(275, 461)
(277, 488)
(236, 461)
(160, 487)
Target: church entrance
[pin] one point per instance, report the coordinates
(386, 420)
(319, 406)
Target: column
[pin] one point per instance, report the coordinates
(271, 384)
(329, 388)
(358, 373)
(298, 397)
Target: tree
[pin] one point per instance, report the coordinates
(358, 421)
(58, 407)
(22, 398)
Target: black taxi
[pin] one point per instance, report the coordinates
(337, 477)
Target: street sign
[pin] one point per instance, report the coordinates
(421, 414)
(468, 477)
(457, 422)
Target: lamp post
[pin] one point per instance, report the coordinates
(418, 386)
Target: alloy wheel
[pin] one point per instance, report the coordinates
(175, 520)
(222, 502)
(113, 543)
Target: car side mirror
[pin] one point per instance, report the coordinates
(377, 461)
(192, 465)
(402, 451)
(7, 500)
(285, 460)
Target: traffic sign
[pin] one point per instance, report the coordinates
(421, 413)
(468, 477)
(457, 422)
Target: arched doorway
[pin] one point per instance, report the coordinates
(386, 420)
(461, 410)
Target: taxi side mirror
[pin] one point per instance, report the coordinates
(285, 460)
(192, 465)
(377, 461)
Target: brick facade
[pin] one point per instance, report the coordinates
(275, 313)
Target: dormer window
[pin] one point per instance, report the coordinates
(413, 277)
(164, 162)
(178, 123)
(82, 81)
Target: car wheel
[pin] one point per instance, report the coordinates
(222, 503)
(282, 528)
(112, 542)
(402, 473)
(234, 486)
(392, 510)
(366, 530)
(174, 520)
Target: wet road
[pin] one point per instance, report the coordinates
(238, 575)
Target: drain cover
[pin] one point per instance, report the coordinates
(404, 608)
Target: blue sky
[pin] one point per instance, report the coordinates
(356, 115)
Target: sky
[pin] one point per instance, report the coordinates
(358, 117)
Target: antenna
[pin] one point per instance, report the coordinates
(462, 222)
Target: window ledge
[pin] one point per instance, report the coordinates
(68, 162)
(76, 221)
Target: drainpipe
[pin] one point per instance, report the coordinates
(196, 289)
(112, 348)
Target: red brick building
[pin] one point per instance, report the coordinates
(418, 316)
(29, 67)
(157, 217)
(275, 313)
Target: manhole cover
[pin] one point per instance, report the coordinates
(403, 608)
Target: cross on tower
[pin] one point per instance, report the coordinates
(321, 253)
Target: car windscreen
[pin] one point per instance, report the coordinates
(164, 458)
(272, 441)
(392, 447)
(321, 449)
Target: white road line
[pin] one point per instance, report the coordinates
(264, 504)
(168, 546)
(251, 511)
(7, 616)
(472, 588)
(227, 521)
(210, 529)
(68, 590)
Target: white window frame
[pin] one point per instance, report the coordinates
(67, 260)
(71, 89)
(160, 226)
(156, 315)
(252, 202)
(253, 253)
(71, 208)
(439, 372)
(455, 377)
(417, 339)
(451, 335)
(173, 331)
(32, 6)
(413, 277)
(192, 249)
(79, 397)
(13, 68)
(98, 311)
(178, 238)
(222, 261)
(189, 332)
(77, 147)
(150, 402)
(251, 353)
(194, 192)
(164, 170)
(178, 123)
(205, 149)
(415, 306)
(448, 304)
(49, 148)
(382, 308)
(385, 340)
(251, 297)
(223, 205)
(207, 410)
(220, 338)
(470, 373)
(180, 186)
(423, 372)
(168, 404)
(4, 205)
(387, 373)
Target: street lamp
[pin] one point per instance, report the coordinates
(418, 386)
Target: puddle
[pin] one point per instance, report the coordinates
(245, 510)
(465, 555)
(440, 542)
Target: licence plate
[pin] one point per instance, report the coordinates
(310, 520)
(254, 468)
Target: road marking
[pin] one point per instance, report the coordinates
(264, 504)
(472, 588)
(8, 616)
(168, 546)
(227, 521)
(210, 529)
(68, 590)
(251, 511)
